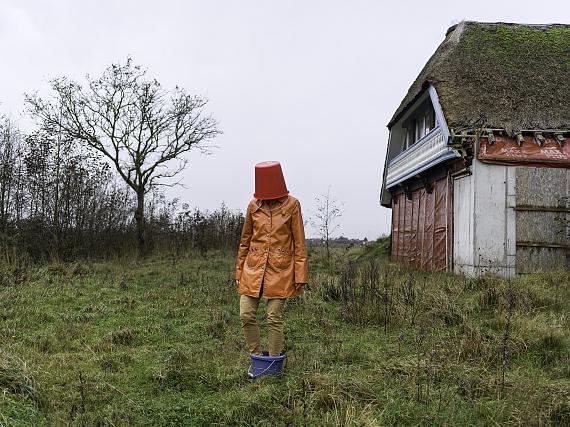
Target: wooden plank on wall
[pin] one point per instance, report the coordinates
(420, 227)
(541, 219)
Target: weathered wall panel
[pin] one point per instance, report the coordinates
(414, 246)
(421, 230)
(506, 150)
(542, 219)
(541, 228)
(420, 227)
(440, 193)
(407, 231)
(537, 259)
(484, 221)
(427, 259)
(395, 230)
(541, 187)
(463, 224)
(399, 203)
(511, 219)
(490, 218)
(519, 222)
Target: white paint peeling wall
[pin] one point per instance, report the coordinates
(511, 221)
(463, 225)
(484, 239)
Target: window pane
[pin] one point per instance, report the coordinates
(421, 127)
(430, 120)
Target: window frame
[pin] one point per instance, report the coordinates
(420, 123)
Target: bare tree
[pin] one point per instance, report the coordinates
(326, 216)
(142, 129)
(10, 154)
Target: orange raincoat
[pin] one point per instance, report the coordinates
(272, 250)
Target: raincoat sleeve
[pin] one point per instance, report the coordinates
(299, 246)
(245, 240)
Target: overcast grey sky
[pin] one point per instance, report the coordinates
(309, 83)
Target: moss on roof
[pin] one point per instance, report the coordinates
(499, 75)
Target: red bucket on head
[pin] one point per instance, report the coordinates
(269, 181)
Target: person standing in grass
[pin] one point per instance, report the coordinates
(272, 257)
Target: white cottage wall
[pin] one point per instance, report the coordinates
(484, 239)
(463, 225)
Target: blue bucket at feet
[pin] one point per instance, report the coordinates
(266, 365)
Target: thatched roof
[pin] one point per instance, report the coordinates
(499, 75)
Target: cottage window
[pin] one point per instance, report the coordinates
(419, 125)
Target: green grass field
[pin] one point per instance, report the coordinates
(159, 343)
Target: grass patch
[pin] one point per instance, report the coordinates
(159, 343)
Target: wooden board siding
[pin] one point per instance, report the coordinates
(420, 227)
(463, 229)
(484, 238)
(541, 219)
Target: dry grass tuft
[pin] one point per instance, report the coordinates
(16, 378)
(123, 336)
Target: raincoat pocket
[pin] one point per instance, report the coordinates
(281, 259)
(253, 258)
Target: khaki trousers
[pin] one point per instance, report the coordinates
(248, 315)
